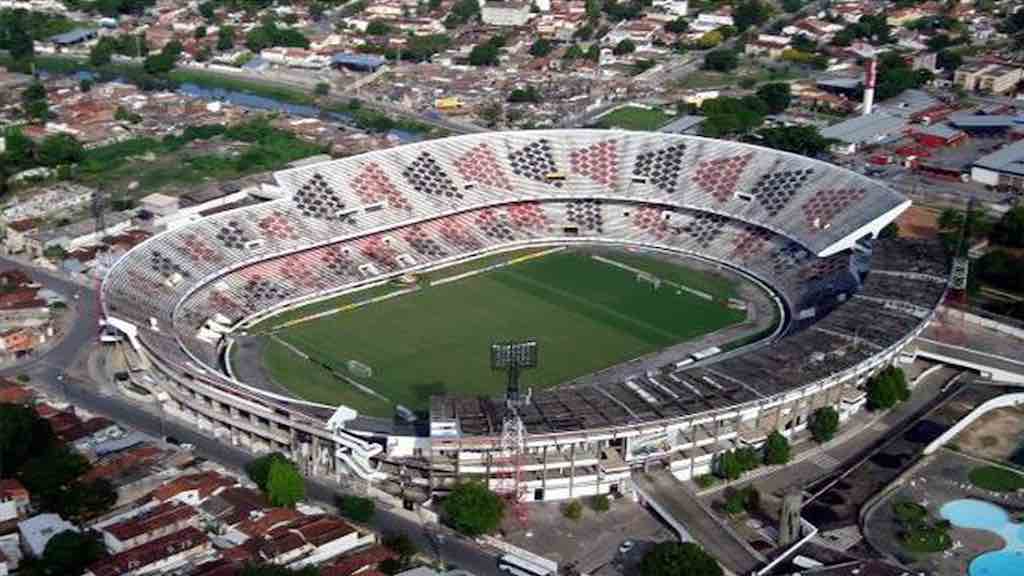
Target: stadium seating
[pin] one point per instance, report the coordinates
(359, 220)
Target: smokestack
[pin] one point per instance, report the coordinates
(870, 72)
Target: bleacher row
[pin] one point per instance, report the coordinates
(814, 203)
(850, 334)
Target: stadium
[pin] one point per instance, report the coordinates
(567, 224)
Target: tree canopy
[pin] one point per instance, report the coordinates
(473, 509)
(887, 388)
(356, 508)
(804, 140)
(68, 553)
(679, 559)
(486, 53)
(285, 486)
(824, 424)
(23, 434)
(625, 46)
(776, 96)
(721, 60)
(776, 449)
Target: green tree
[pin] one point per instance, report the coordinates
(824, 424)
(322, 88)
(887, 388)
(540, 48)
(805, 140)
(258, 469)
(206, 9)
(745, 499)
(285, 486)
(226, 38)
(528, 94)
(721, 60)
(776, 449)
(486, 53)
(600, 503)
(462, 12)
(23, 434)
(473, 509)
(20, 44)
(85, 85)
(356, 508)
(573, 510)
(677, 26)
(1009, 229)
(60, 149)
(70, 552)
(157, 64)
(750, 13)
(625, 46)
(101, 53)
(735, 463)
(777, 96)
(378, 28)
(679, 559)
(34, 102)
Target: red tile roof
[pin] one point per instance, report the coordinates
(131, 560)
(124, 461)
(11, 489)
(354, 562)
(265, 522)
(206, 483)
(167, 513)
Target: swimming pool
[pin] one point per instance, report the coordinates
(981, 515)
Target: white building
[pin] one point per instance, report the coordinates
(37, 531)
(505, 13)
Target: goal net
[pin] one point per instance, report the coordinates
(358, 369)
(648, 278)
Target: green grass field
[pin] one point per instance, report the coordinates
(586, 315)
(635, 118)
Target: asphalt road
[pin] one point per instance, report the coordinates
(48, 366)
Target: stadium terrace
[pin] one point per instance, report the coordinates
(804, 230)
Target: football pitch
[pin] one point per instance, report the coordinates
(585, 314)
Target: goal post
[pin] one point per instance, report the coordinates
(648, 278)
(358, 369)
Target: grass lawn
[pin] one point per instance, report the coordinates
(996, 479)
(586, 315)
(635, 118)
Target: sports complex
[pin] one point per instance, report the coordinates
(686, 296)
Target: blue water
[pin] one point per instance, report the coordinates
(980, 515)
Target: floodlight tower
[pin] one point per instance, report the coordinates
(512, 357)
(98, 208)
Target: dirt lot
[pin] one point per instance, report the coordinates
(995, 436)
(919, 222)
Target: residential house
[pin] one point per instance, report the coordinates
(989, 78)
(14, 500)
(192, 489)
(505, 13)
(151, 522)
(37, 531)
(161, 555)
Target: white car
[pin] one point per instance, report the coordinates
(626, 546)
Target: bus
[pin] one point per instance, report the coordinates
(519, 565)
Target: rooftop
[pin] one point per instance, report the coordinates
(1009, 159)
(866, 129)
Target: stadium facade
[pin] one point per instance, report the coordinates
(803, 229)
